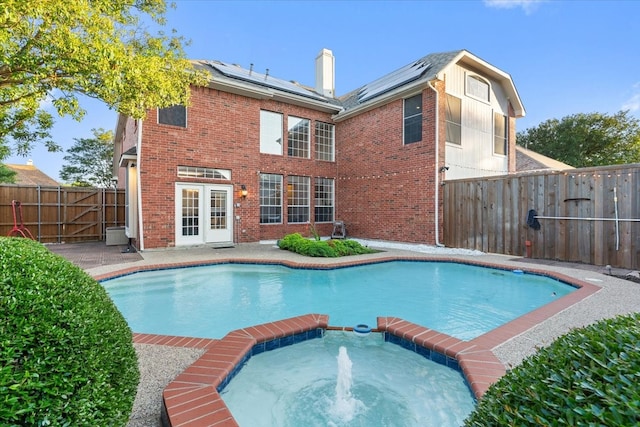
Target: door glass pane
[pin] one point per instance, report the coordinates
(218, 210)
(190, 212)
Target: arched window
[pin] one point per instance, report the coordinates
(477, 87)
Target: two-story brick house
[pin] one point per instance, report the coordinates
(255, 157)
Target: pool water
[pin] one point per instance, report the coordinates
(460, 300)
(301, 385)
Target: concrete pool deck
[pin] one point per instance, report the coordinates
(160, 364)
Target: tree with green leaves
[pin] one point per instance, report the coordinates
(51, 51)
(583, 140)
(89, 161)
(7, 175)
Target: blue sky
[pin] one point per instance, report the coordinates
(565, 57)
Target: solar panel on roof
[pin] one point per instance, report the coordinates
(404, 75)
(240, 73)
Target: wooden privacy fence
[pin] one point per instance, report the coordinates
(589, 215)
(63, 214)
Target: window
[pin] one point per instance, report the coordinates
(323, 198)
(190, 212)
(173, 116)
(203, 173)
(325, 142)
(270, 199)
(270, 132)
(218, 207)
(477, 87)
(453, 120)
(499, 134)
(297, 199)
(298, 137)
(413, 119)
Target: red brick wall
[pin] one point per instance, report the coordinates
(223, 131)
(385, 190)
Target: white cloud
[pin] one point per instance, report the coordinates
(633, 103)
(527, 5)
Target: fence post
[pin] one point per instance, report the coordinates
(39, 214)
(59, 202)
(103, 219)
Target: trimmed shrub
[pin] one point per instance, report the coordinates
(322, 248)
(588, 377)
(66, 352)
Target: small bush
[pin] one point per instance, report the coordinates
(66, 352)
(322, 248)
(588, 377)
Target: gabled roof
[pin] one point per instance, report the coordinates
(235, 79)
(421, 70)
(527, 160)
(416, 74)
(30, 175)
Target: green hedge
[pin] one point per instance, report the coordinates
(66, 352)
(322, 248)
(589, 377)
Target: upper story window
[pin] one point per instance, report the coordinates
(325, 142)
(453, 120)
(499, 133)
(413, 119)
(298, 137)
(477, 87)
(270, 132)
(175, 115)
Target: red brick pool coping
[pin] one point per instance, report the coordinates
(192, 399)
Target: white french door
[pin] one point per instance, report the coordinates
(204, 214)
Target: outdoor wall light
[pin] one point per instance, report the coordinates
(243, 191)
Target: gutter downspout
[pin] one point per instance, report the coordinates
(139, 185)
(437, 168)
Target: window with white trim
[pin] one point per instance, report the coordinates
(499, 134)
(297, 199)
(453, 120)
(325, 141)
(175, 115)
(203, 173)
(298, 137)
(413, 119)
(270, 132)
(190, 212)
(477, 87)
(323, 199)
(270, 198)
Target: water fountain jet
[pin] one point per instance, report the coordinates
(345, 407)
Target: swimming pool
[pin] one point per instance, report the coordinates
(460, 300)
